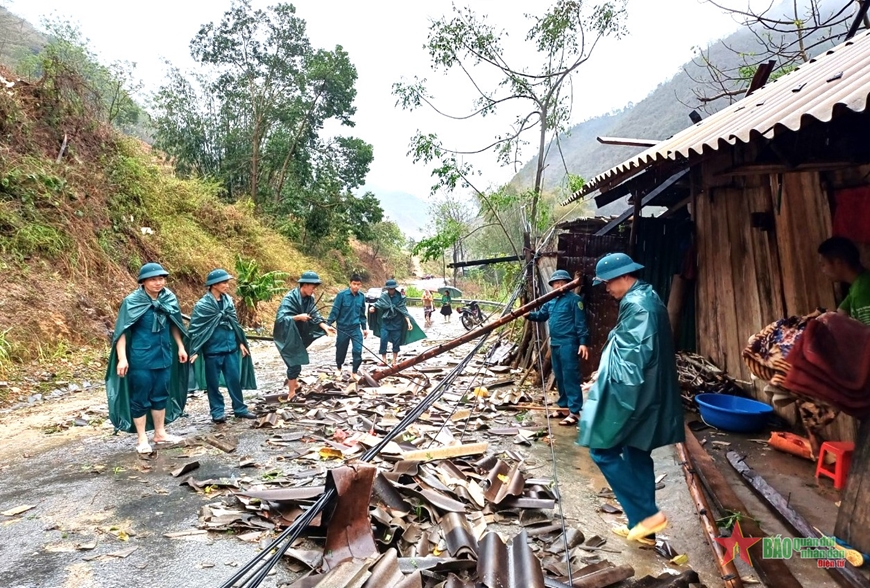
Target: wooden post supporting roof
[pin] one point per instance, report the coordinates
(646, 200)
(853, 519)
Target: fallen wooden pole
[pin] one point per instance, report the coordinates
(471, 335)
(845, 576)
(730, 575)
(773, 573)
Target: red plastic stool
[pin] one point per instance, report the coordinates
(843, 450)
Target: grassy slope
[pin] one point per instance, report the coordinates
(71, 233)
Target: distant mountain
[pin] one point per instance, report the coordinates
(410, 212)
(18, 38)
(663, 113)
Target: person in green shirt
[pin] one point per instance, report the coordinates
(840, 260)
(446, 309)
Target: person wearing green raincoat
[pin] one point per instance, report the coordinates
(393, 321)
(146, 379)
(634, 404)
(569, 342)
(297, 324)
(215, 334)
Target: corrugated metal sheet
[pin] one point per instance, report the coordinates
(837, 80)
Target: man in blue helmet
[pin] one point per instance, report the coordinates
(569, 341)
(297, 324)
(348, 314)
(215, 333)
(394, 322)
(634, 405)
(146, 380)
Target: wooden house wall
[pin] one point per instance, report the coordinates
(748, 278)
(581, 253)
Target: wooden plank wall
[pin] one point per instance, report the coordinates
(804, 221)
(748, 278)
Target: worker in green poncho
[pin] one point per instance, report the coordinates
(393, 321)
(215, 334)
(634, 404)
(146, 380)
(297, 324)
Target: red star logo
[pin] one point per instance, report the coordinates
(737, 542)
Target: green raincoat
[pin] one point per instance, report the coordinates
(117, 388)
(635, 401)
(387, 309)
(207, 315)
(293, 337)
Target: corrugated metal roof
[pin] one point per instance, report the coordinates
(838, 78)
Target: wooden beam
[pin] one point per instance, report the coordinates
(758, 169)
(646, 200)
(845, 576)
(762, 74)
(773, 573)
(860, 16)
(853, 519)
(445, 452)
(487, 261)
(628, 142)
(676, 207)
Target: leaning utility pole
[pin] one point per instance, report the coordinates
(471, 335)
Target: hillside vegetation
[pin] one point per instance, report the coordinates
(83, 204)
(75, 227)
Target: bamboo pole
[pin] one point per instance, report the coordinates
(730, 575)
(773, 573)
(471, 335)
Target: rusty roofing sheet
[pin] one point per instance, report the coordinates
(514, 566)
(837, 79)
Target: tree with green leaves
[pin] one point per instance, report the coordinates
(453, 222)
(562, 39)
(253, 114)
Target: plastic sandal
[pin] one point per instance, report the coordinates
(170, 439)
(144, 448)
(571, 419)
(640, 530)
(623, 532)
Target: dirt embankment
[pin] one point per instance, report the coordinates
(81, 209)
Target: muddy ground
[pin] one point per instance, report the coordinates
(93, 496)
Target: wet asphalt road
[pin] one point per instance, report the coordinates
(76, 506)
(87, 485)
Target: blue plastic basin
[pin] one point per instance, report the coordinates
(733, 413)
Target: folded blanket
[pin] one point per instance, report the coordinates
(766, 352)
(831, 362)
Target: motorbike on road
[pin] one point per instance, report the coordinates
(471, 315)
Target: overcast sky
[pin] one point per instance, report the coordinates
(385, 41)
